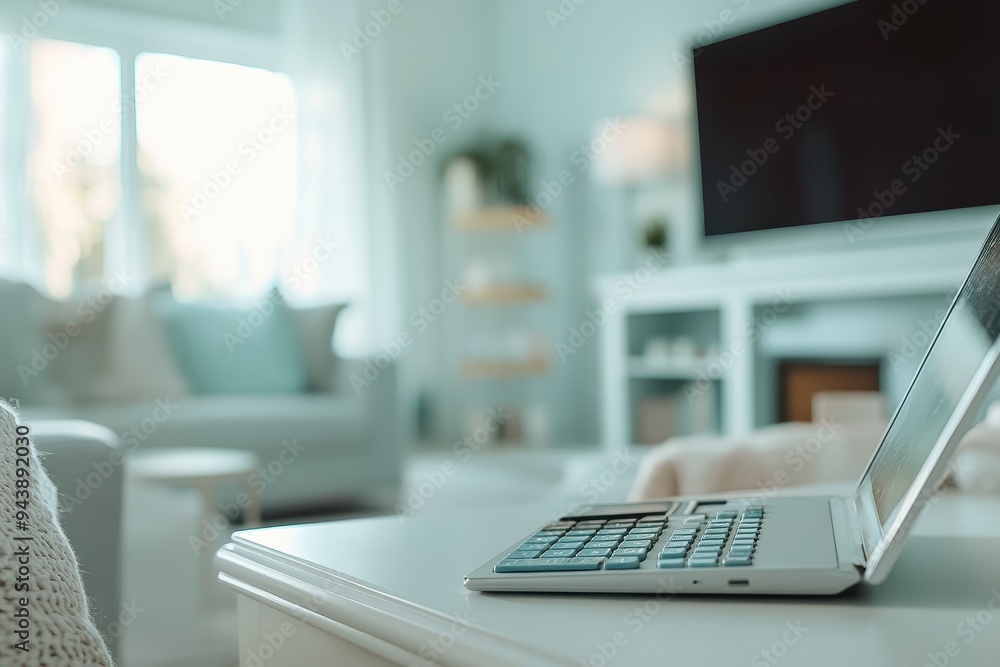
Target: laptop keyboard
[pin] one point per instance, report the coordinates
(727, 538)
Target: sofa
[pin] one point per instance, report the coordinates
(259, 376)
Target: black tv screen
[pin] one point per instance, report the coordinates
(870, 109)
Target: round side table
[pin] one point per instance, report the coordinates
(204, 469)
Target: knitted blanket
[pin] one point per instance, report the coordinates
(44, 619)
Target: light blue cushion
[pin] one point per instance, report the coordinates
(231, 351)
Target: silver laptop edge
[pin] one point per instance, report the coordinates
(882, 547)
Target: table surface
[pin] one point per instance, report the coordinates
(187, 463)
(400, 580)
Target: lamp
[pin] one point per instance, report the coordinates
(644, 149)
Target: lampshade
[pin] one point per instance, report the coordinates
(640, 149)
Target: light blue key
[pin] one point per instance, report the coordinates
(547, 564)
(621, 563)
(569, 544)
(636, 544)
(669, 563)
(702, 562)
(540, 540)
(602, 544)
(524, 554)
(671, 552)
(737, 561)
(631, 551)
(595, 553)
(559, 553)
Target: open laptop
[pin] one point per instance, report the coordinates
(783, 545)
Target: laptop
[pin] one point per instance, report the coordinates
(783, 545)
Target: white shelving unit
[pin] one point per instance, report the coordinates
(736, 307)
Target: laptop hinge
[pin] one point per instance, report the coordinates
(847, 528)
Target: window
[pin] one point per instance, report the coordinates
(217, 164)
(74, 170)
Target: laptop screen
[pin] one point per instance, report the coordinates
(951, 365)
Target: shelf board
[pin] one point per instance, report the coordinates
(504, 294)
(500, 219)
(693, 368)
(504, 368)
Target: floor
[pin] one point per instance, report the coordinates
(177, 623)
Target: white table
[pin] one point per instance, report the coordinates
(389, 592)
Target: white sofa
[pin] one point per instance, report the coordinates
(315, 446)
(70, 450)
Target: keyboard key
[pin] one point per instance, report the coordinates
(726, 514)
(673, 552)
(547, 564)
(574, 545)
(736, 561)
(540, 540)
(559, 553)
(693, 518)
(711, 543)
(686, 531)
(580, 533)
(630, 551)
(622, 563)
(668, 563)
(602, 544)
(524, 553)
(612, 531)
(699, 562)
(641, 531)
(595, 553)
(636, 544)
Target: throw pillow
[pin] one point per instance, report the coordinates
(223, 350)
(315, 328)
(140, 364)
(61, 632)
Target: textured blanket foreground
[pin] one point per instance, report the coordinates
(44, 620)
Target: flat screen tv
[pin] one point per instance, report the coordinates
(870, 109)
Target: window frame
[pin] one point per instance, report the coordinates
(129, 35)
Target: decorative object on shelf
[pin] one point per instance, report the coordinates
(655, 235)
(512, 169)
